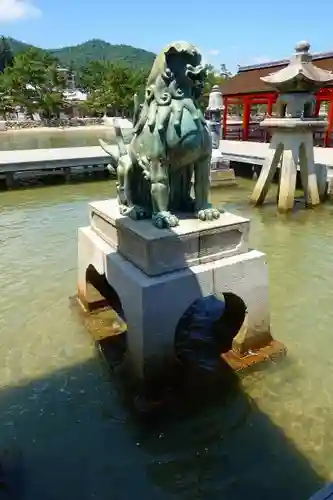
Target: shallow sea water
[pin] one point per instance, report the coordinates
(271, 438)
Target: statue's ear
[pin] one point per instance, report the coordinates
(171, 57)
(170, 53)
(172, 49)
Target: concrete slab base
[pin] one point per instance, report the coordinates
(152, 301)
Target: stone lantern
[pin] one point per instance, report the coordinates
(214, 110)
(220, 171)
(292, 130)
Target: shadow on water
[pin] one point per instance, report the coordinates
(78, 443)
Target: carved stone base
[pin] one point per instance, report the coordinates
(158, 251)
(153, 304)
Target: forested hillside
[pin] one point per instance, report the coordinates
(94, 50)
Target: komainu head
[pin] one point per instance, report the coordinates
(179, 62)
(175, 82)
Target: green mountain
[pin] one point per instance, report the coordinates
(17, 46)
(94, 50)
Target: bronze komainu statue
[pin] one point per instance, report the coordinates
(171, 142)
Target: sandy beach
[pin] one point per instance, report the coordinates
(85, 128)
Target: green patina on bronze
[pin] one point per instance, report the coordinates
(171, 142)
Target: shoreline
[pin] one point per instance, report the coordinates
(57, 129)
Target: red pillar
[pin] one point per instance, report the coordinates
(329, 128)
(246, 118)
(224, 118)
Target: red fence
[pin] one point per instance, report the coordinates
(249, 130)
(234, 132)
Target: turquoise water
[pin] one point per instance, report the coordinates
(271, 438)
(34, 139)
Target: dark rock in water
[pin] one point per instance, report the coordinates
(196, 342)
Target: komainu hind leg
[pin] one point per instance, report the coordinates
(204, 210)
(136, 212)
(187, 203)
(123, 169)
(130, 183)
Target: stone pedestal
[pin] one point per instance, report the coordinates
(157, 274)
(291, 147)
(222, 177)
(221, 174)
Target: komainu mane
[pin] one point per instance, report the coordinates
(171, 142)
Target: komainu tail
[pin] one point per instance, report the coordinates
(115, 155)
(119, 138)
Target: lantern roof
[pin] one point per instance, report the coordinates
(301, 75)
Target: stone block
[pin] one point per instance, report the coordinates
(222, 177)
(158, 251)
(153, 305)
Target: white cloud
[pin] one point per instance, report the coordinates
(13, 10)
(213, 52)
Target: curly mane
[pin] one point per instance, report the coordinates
(164, 96)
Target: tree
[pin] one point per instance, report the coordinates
(34, 82)
(111, 87)
(214, 77)
(6, 101)
(6, 55)
(92, 75)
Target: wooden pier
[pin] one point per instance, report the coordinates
(25, 164)
(256, 152)
(69, 161)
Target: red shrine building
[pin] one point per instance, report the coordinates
(246, 90)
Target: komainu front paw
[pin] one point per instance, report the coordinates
(137, 213)
(209, 213)
(164, 220)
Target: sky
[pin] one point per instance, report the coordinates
(238, 32)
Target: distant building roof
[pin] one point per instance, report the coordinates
(247, 80)
(75, 95)
(69, 95)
